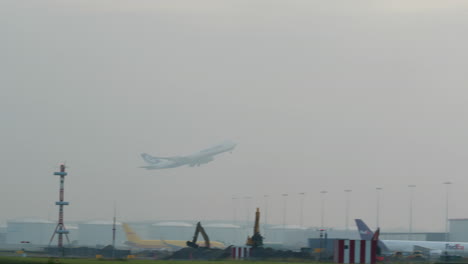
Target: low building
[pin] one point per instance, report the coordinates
(418, 236)
(290, 236)
(458, 230)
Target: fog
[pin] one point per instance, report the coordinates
(319, 95)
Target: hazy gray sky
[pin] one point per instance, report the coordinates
(320, 95)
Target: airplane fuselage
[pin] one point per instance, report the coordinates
(195, 159)
(133, 240)
(166, 164)
(440, 246)
(389, 246)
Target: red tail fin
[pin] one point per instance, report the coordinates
(376, 234)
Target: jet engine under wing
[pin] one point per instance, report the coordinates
(198, 162)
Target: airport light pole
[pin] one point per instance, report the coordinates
(347, 210)
(377, 218)
(234, 209)
(322, 209)
(247, 209)
(113, 232)
(266, 213)
(447, 185)
(410, 233)
(285, 196)
(301, 215)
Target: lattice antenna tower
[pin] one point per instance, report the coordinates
(60, 229)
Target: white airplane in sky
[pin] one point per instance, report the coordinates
(196, 159)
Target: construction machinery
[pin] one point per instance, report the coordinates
(256, 240)
(199, 230)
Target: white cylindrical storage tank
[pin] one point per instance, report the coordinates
(274, 234)
(295, 237)
(289, 236)
(228, 234)
(3, 231)
(29, 230)
(98, 233)
(458, 230)
(172, 231)
(72, 235)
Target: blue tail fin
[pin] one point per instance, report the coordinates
(364, 230)
(367, 234)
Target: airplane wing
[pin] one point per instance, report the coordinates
(425, 250)
(177, 159)
(154, 160)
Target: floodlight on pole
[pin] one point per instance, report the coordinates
(234, 209)
(322, 209)
(377, 217)
(285, 196)
(447, 184)
(347, 210)
(410, 233)
(265, 213)
(301, 214)
(247, 199)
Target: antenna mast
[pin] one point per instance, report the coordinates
(60, 228)
(113, 234)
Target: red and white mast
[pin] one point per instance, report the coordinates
(60, 229)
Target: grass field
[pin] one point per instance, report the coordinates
(21, 260)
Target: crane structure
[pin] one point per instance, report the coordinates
(257, 239)
(199, 230)
(60, 228)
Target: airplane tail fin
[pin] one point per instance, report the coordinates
(367, 234)
(150, 159)
(376, 234)
(364, 230)
(131, 236)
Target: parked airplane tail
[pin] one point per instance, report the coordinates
(131, 236)
(364, 230)
(367, 234)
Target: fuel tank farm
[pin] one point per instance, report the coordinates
(173, 230)
(229, 234)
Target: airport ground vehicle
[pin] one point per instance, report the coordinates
(417, 255)
(397, 256)
(447, 257)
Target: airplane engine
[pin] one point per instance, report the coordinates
(206, 160)
(201, 161)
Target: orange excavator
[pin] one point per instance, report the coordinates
(199, 230)
(256, 240)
